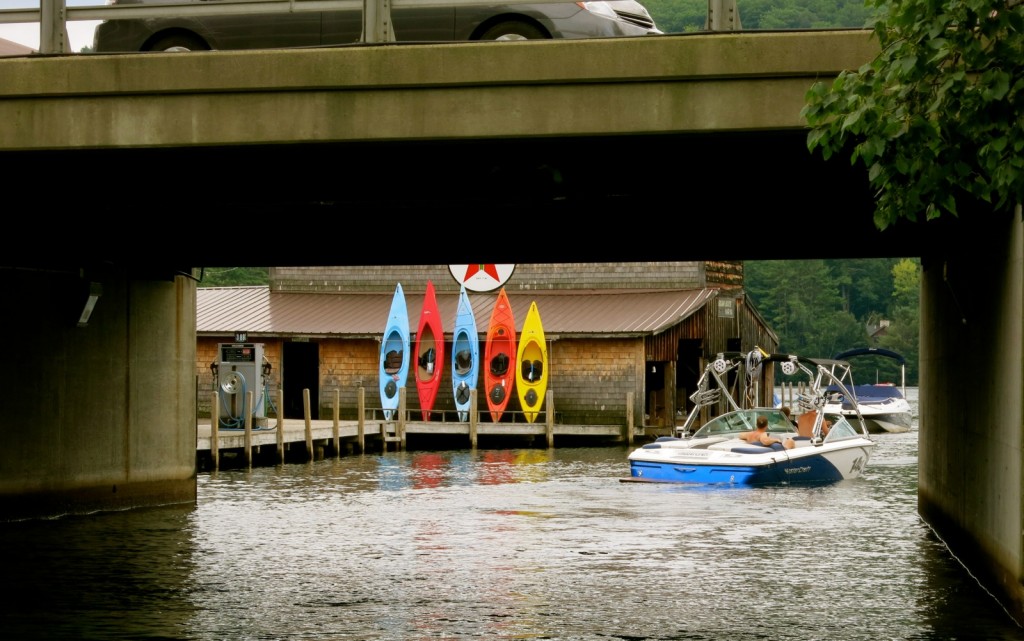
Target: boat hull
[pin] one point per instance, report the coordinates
(891, 414)
(532, 365)
(660, 462)
(465, 356)
(882, 423)
(429, 352)
(500, 357)
(394, 355)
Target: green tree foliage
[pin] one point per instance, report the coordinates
(678, 16)
(904, 328)
(234, 276)
(936, 118)
(822, 307)
(686, 16)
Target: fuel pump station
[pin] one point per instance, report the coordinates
(241, 368)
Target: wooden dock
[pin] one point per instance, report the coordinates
(279, 440)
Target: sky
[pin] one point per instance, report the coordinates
(27, 33)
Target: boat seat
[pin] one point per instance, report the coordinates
(751, 449)
(801, 441)
(499, 364)
(393, 362)
(427, 359)
(463, 362)
(532, 370)
(758, 449)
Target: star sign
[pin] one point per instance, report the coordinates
(491, 270)
(481, 277)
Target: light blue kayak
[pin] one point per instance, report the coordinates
(394, 355)
(465, 355)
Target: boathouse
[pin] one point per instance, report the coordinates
(617, 333)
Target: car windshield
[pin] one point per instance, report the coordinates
(734, 423)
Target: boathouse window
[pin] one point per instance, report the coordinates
(726, 308)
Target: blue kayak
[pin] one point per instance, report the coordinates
(465, 355)
(394, 355)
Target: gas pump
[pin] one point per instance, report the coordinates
(241, 368)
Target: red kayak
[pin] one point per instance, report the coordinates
(500, 357)
(429, 352)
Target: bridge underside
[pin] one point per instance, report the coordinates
(743, 195)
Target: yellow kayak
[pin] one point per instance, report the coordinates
(532, 359)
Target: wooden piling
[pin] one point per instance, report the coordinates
(361, 413)
(214, 425)
(549, 417)
(247, 408)
(473, 415)
(309, 425)
(337, 416)
(629, 418)
(280, 425)
(401, 418)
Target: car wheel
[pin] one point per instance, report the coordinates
(513, 31)
(180, 42)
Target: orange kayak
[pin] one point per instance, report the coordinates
(500, 357)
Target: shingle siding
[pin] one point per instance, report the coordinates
(525, 277)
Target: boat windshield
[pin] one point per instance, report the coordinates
(734, 423)
(840, 428)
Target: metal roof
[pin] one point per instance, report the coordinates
(257, 310)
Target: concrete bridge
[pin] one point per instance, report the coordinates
(127, 172)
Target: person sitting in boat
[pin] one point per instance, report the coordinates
(785, 410)
(760, 435)
(805, 424)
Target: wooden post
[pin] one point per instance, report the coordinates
(472, 419)
(309, 424)
(401, 418)
(629, 418)
(361, 410)
(214, 425)
(549, 414)
(337, 414)
(280, 425)
(670, 396)
(248, 428)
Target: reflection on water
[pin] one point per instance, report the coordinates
(512, 544)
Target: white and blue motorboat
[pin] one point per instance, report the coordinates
(825, 448)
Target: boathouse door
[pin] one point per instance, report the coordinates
(300, 370)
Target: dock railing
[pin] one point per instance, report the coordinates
(335, 436)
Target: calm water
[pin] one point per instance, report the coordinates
(500, 544)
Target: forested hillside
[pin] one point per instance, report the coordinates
(822, 307)
(683, 16)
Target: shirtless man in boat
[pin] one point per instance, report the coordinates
(805, 424)
(760, 435)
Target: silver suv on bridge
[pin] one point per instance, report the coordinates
(411, 24)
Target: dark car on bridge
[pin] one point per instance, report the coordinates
(452, 23)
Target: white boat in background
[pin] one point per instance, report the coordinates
(884, 406)
(825, 448)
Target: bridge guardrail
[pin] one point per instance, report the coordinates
(53, 14)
